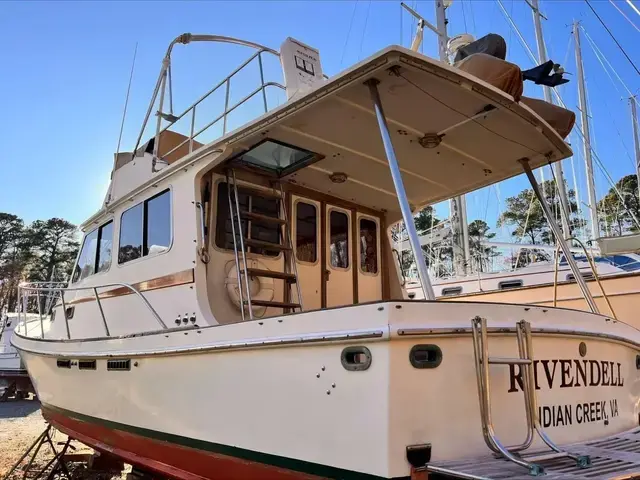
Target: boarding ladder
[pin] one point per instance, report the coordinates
(526, 364)
(242, 242)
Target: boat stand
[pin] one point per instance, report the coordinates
(57, 463)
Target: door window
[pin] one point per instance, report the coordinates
(339, 239)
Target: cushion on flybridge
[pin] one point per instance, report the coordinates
(501, 74)
(560, 119)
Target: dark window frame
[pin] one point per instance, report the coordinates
(362, 257)
(224, 207)
(317, 242)
(347, 214)
(96, 253)
(144, 253)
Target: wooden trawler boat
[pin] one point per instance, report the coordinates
(236, 310)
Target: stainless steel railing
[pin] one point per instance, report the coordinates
(55, 292)
(165, 77)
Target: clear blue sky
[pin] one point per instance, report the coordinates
(65, 68)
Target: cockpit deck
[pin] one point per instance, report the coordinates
(617, 456)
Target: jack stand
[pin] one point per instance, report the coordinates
(57, 461)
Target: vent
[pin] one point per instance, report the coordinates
(87, 364)
(63, 363)
(446, 292)
(118, 365)
(510, 284)
(586, 275)
(425, 356)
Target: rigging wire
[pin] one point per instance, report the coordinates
(364, 29)
(612, 36)
(564, 105)
(608, 109)
(126, 102)
(624, 15)
(473, 17)
(464, 17)
(595, 47)
(633, 6)
(353, 15)
(469, 117)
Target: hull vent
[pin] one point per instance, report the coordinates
(87, 364)
(118, 365)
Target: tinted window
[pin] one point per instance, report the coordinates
(368, 246)
(131, 234)
(339, 239)
(147, 224)
(306, 232)
(86, 260)
(258, 230)
(158, 224)
(105, 245)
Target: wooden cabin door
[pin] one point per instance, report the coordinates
(339, 261)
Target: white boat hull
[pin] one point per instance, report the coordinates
(203, 390)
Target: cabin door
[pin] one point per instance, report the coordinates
(339, 262)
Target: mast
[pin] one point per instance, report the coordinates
(636, 140)
(591, 187)
(559, 174)
(457, 205)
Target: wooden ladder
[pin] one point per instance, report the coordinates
(242, 241)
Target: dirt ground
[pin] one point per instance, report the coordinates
(20, 425)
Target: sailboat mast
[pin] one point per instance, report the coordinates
(586, 142)
(457, 205)
(636, 140)
(559, 174)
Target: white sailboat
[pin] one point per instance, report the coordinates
(236, 311)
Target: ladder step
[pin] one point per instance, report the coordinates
(251, 242)
(258, 272)
(545, 456)
(509, 361)
(271, 303)
(256, 192)
(258, 217)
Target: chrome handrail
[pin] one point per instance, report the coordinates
(27, 289)
(165, 75)
(593, 269)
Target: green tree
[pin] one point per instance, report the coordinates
(615, 215)
(524, 212)
(55, 246)
(480, 253)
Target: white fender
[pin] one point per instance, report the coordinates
(261, 287)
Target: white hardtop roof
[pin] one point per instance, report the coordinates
(484, 133)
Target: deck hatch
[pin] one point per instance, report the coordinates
(275, 158)
(118, 365)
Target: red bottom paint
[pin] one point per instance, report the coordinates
(164, 458)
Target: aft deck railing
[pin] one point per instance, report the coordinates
(165, 76)
(40, 290)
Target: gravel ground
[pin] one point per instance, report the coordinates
(20, 424)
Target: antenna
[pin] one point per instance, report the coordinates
(124, 116)
(126, 101)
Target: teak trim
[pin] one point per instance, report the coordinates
(172, 280)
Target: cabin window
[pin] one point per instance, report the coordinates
(510, 284)
(146, 228)
(257, 230)
(95, 254)
(339, 239)
(368, 246)
(105, 246)
(306, 232)
(449, 291)
(86, 260)
(586, 275)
